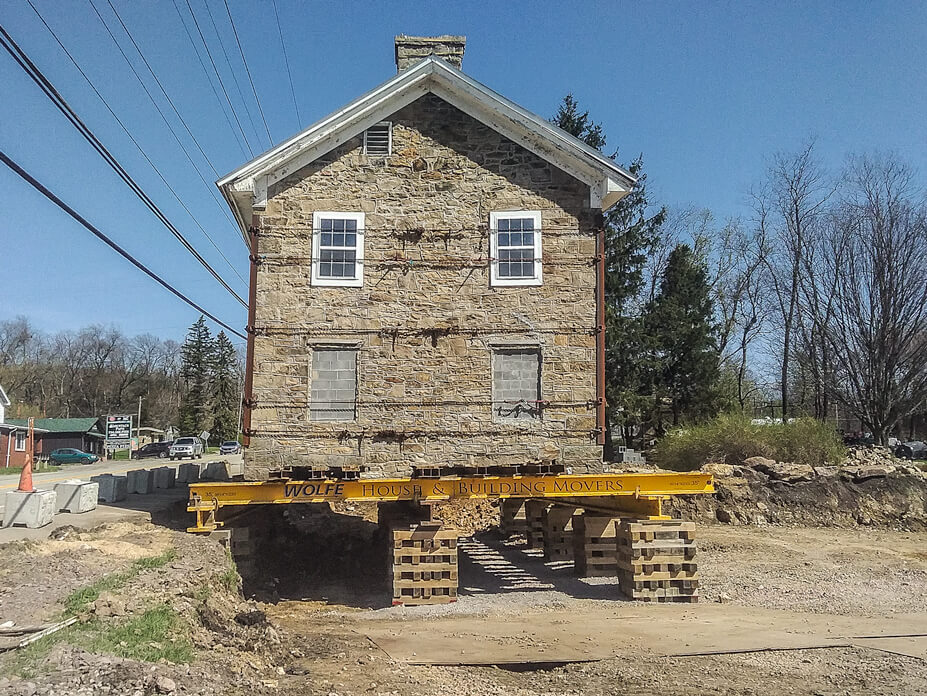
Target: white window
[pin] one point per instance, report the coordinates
(21, 436)
(378, 139)
(338, 249)
(515, 248)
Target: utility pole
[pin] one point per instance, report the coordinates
(138, 424)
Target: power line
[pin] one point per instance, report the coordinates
(109, 242)
(286, 61)
(219, 77)
(215, 92)
(212, 189)
(228, 62)
(248, 71)
(49, 89)
(135, 142)
(161, 87)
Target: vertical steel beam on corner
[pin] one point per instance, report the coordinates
(600, 330)
(249, 353)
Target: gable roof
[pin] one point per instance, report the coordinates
(4, 399)
(245, 189)
(60, 425)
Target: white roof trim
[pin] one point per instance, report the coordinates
(4, 399)
(246, 188)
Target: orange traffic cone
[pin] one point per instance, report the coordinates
(25, 478)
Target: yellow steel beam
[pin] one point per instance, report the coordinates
(207, 498)
(382, 490)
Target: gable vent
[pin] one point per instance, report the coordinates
(378, 139)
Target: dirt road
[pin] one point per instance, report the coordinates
(520, 628)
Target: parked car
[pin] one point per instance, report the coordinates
(69, 455)
(915, 449)
(154, 449)
(186, 447)
(229, 447)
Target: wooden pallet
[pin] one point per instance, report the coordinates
(512, 519)
(534, 514)
(557, 522)
(594, 545)
(423, 566)
(656, 560)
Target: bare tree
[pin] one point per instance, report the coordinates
(877, 267)
(787, 206)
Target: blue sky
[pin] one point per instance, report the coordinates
(706, 91)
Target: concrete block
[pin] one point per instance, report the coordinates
(33, 510)
(216, 471)
(112, 488)
(140, 481)
(77, 496)
(189, 472)
(164, 477)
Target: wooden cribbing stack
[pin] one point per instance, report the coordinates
(557, 522)
(423, 563)
(656, 560)
(512, 519)
(594, 545)
(534, 513)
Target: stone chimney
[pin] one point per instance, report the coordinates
(411, 49)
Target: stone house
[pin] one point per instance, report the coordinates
(425, 284)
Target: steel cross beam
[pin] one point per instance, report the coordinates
(207, 498)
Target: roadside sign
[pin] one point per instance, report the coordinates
(118, 432)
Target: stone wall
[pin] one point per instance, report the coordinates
(426, 321)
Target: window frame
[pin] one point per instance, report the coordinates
(325, 281)
(498, 349)
(346, 347)
(389, 144)
(494, 279)
(16, 444)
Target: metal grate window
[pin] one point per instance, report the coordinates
(516, 384)
(333, 381)
(378, 139)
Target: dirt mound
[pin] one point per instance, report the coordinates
(157, 612)
(764, 491)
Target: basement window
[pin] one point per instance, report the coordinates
(378, 139)
(333, 384)
(21, 440)
(516, 384)
(515, 248)
(338, 249)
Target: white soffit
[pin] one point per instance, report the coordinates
(245, 189)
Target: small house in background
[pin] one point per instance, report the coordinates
(85, 434)
(13, 437)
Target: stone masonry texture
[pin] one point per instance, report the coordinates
(426, 324)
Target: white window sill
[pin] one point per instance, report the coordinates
(338, 282)
(515, 282)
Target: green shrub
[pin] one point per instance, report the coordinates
(732, 438)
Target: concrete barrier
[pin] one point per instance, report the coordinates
(189, 472)
(140, 481)
(77, 496)
(32, 510)
(112, 488)
(164, 477)
(216, 471)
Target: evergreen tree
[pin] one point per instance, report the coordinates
(225, 394)
(632, 229)
(685, 352)
(196, 368)
(578, 124)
